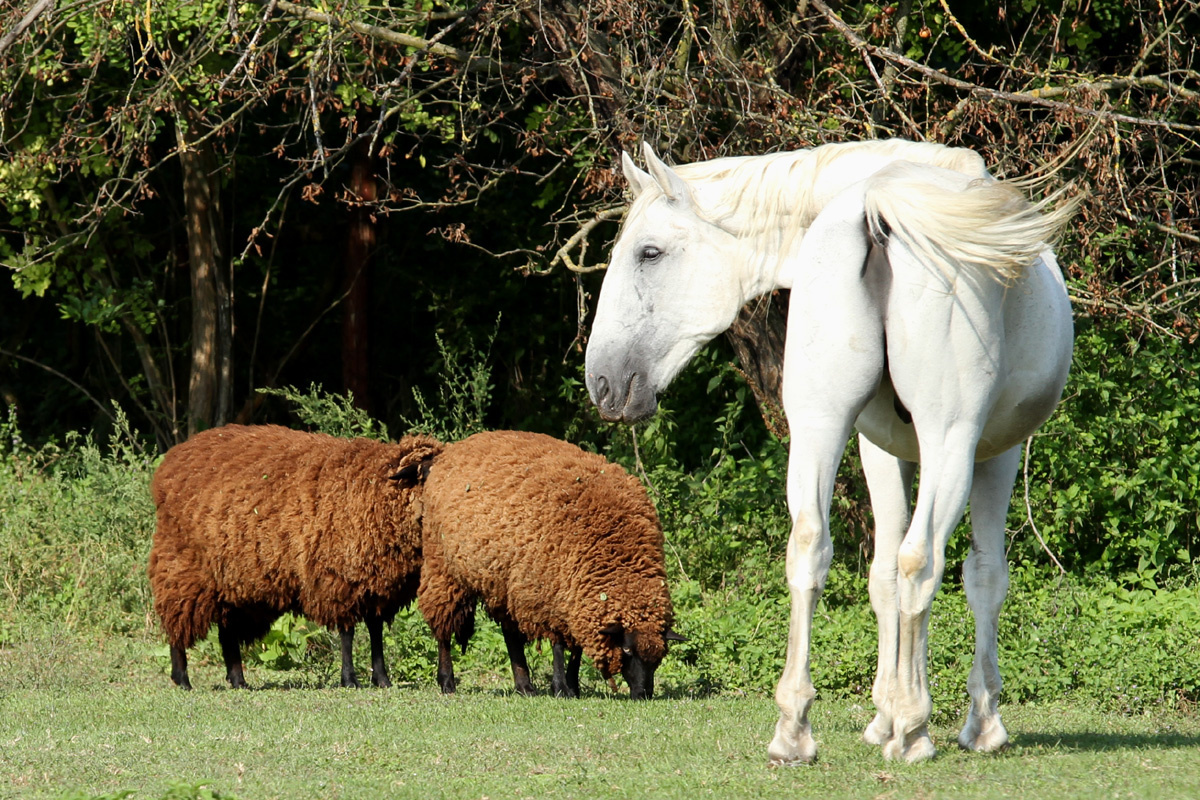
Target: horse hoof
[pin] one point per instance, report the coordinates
(984, 737)
(790, 754)
(878, 732)
(919, 747)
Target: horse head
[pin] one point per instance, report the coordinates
(671, 286)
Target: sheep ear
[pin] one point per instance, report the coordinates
(614, 629)
(413, 474)
(672, 636)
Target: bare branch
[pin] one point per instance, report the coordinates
(579, 239)
(58, 374)
(27, 20)
(471, 61)
(1036, 97)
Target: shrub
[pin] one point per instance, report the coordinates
(75, 527)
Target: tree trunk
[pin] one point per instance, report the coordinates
(355, 364)
(210, 385)
(757, 337)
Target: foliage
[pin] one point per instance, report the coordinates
(464, 392)
(1115, 474)
(334, 414)
(75, 525)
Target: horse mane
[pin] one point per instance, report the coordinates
(989, 225)
(785, 191)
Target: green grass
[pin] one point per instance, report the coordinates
(86, 718)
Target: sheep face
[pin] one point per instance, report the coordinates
(640, 654)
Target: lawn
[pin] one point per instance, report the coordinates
(98, 718)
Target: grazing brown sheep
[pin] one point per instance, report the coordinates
(256, 521)
(559, 544)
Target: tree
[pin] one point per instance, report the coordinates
(138, 137)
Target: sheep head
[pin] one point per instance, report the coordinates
(640, 653)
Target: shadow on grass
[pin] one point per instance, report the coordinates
(1102, 742)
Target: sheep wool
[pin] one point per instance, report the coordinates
(557, 540)
(255, 521)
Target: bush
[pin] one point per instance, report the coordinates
(76, 523)
(1115, 474)
(75, 527)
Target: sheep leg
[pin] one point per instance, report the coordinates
(514, 640)
(565, 682)
(179, 672)
(573, 670)
(349, 679)
(231, 651)
(379, 673)
(445, 672)
(558, 682)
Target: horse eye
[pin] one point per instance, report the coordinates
(649, 254)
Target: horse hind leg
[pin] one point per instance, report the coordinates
(889, 480)
(985, 578)
(946, 475)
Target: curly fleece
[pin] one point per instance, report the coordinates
(254, 521)
(562, 541)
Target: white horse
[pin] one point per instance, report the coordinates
(926, 310)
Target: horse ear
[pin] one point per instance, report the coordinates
(673, 186)
(637, 177)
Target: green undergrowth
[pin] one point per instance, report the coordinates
(76, 523)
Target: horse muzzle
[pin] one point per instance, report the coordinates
(628, 400)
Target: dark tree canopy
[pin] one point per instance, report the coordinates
(200, 199)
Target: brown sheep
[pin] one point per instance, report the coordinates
(256, 521)
(559, 544)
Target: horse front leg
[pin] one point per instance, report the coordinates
(985, 578)
(889, 481)
(812, 466)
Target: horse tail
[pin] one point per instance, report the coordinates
(952, 221)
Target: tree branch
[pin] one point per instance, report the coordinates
(58, 374)
(471, 61)
(1036, 97)
(27, 20)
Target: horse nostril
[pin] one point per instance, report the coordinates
(602, 388)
